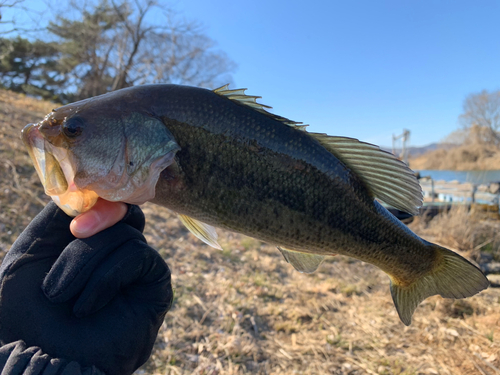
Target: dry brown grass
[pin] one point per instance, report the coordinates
(468, 230)
(21, 194)
(462, 158)
(244, 310)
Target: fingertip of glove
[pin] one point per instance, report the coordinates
(52, 290)
(51, 211)
(81, 310)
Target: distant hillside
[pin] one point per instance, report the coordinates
(458, 158)
(448, 156)
(417, 151)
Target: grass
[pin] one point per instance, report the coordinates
(244, 310)
(471, 231)
(466, 157)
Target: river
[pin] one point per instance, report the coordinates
(475, 177)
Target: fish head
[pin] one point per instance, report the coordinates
(99, 147)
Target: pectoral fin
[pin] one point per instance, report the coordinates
(302, 262)
(203, 231)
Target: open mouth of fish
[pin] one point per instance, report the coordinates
(56, 171)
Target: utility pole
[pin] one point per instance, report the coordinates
(405, 140)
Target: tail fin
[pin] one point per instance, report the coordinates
(452, 277)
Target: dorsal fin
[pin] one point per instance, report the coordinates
(239, 96)
(302, 262)
(203, 231)
(385, 176)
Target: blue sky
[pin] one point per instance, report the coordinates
(364, 69)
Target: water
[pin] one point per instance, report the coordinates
(475, 177)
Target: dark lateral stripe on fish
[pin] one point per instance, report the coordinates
(361, 156)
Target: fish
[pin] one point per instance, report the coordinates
(219, 158)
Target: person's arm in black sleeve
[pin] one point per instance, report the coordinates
(98, 301)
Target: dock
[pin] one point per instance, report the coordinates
(440, 196)
(454, 192)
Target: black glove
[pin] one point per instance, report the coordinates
(17, 359)
(98, 301)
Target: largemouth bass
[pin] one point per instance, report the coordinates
(218, 158)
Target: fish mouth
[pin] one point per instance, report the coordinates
(56, 172)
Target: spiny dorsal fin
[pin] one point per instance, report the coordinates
(203, 231)
(302, 262)
(387, 177)
(239, 96)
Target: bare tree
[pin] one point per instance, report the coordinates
(111, 45)
(176, 51)
(87, 43)
(19, 19)
(8, 25)
(481, 116)
(184, 54)
(134, 36)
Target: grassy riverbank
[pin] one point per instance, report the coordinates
(471, 157)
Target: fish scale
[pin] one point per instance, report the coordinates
(304, 200)
(218, 158)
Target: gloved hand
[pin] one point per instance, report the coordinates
(17, 359)
(97, 301)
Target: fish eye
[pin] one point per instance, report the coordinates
(73, 127)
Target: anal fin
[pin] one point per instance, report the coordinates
(203, 231)
(302, 262)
